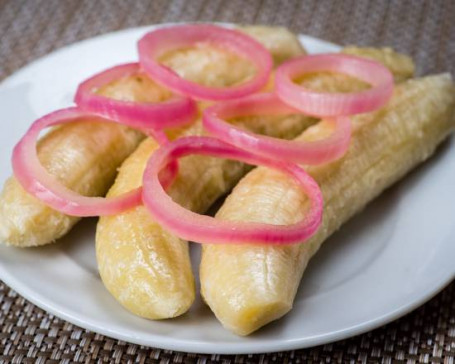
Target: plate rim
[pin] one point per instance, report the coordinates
(231, 348)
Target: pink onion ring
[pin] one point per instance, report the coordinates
(205, 229)
(171, 113)
(37, 182)
(315, 152)
(334, 104)
(157, 42)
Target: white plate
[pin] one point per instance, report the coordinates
(394, 256)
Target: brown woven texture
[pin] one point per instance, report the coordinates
(424, 29)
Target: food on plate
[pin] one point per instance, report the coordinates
(146, 268)
(73, 154)
(83, 156)
(185, 124)
(247, 286)
(401, 65)
(281, 42)
(248, 61)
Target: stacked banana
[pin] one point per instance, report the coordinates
(147, 269)
(248, 286)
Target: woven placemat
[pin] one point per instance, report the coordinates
(424, 29)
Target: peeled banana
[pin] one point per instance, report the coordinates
(146, 268)
(84, 156)
(247, 286)
(281, 42)
(401, 65)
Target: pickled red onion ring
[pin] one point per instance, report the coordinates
(334, 104)
(314, 152)
(157, 42)
(205, 229)
(39, 183)
(171, 113)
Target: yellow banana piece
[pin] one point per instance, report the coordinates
(247, 286)
(282, 43)
(84, 157)
(401, 65)
(73, 153)
(143, 266)
(149, 272)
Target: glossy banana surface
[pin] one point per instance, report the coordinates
(143, 266)
(247, 286)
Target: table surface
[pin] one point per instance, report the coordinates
(423, 29)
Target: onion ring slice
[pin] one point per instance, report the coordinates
(171, 113)
(205, 229)
(39, 183)
(314, 152)
(157, 42)
(334, 104)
